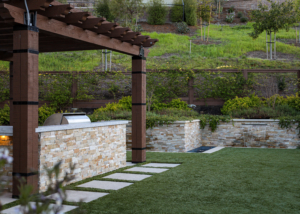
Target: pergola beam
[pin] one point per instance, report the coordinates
(60, 28)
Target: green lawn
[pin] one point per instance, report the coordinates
(235, 43)
(233, 180)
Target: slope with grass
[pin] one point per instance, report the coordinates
(172, 51)
(232, 180)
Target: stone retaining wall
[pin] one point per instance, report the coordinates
(94, 150)
(251, 133)
(183, 136)
(180, 136)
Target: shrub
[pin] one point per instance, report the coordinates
(281, 83)
(126, 102)
(156, 13)
(190, 7)
(229, 18)
(241, 103)
(240, 15)
(44, 113)
(264, 112)
(175, 104)
(231, 9)
(5, 115)
(182, 27)
(178, 104)
(177, 12)
(275, 100)
(294, 101)
(103, 10)
(244, 19)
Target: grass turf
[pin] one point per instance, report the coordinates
(233, 180)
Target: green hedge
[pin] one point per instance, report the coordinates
(190, 12)
(157, 13)
(177, 12)
(103, 10)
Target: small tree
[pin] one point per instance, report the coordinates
(272, 18)
(204, 14)
(156, 12)
(103, 10)
(127, 10)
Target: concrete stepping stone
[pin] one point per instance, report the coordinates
(84, 196)
(107, 185)
(130, 164)
(7, 198)
(145, 169)
(127, 176)
(161, 165)
(14, 210)
(218, 148)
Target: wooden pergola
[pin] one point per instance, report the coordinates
(54, 27)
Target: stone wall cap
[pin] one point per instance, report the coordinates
(6, 130)
(79, 126)
(186, 121)
(255, 120)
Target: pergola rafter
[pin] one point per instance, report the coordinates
(89, 30)
(59, 27)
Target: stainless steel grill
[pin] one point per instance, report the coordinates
(67, 118)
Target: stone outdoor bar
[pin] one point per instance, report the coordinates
(95, 148)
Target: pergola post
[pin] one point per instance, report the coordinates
(11, 76)
(25, 106)
(138, 109)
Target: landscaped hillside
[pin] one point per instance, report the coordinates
(228, 46)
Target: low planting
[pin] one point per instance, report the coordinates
(286, 110)
(44, 112)
(162, 113)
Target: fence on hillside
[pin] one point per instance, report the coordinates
(190, 98)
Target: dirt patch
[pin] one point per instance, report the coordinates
(209, 42)
(289, 42)
(279, 56)
(166, 28)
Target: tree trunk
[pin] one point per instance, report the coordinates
(219, 8)
(270, 45)
(296, 34)
(201, 28)
(267, 43)
(274, 45)
(208, 23)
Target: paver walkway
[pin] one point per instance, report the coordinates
(14, 210)
(107, 185)
(145, 169)
(214, 149)
(127, 176)
(80, 196)
(87, 196)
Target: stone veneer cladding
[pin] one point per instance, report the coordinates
(94, 150)
(181, 136)
(251, 133)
